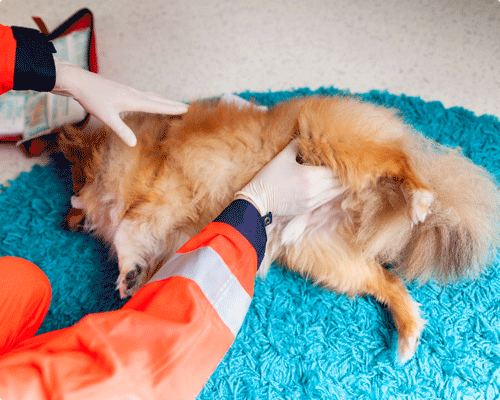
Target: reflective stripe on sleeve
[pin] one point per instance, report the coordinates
(207, 268)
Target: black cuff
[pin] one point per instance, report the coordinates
(243, 216)
(34, 66)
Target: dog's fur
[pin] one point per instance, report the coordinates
(424, 209)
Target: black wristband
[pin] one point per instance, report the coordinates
(243, 216)
(34, 66)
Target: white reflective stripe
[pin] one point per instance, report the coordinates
(206, 267)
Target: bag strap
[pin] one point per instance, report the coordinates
(82, 19)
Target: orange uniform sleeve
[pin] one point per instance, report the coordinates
(164, 343)
(7, 58)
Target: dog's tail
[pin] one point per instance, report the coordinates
(461, 234)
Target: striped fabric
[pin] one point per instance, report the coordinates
(215, 279)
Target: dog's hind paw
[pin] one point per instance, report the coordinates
(407, 344)
(421, 202)
(407, 347)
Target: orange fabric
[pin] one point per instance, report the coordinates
(163, 344)
(242, 262)
(24, 300)
(7, 58)
(166, 349)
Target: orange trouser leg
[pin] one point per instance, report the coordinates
(24, 300)
(162, 345)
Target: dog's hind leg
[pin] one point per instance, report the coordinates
(365, 166)
(362, 144)
(389, 289)
(332, 264)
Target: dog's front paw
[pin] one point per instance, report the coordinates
(421, 202)
(130, 280)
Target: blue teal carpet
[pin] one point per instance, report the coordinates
(298, 341)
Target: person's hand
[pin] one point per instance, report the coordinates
(286, 188)
(106, 99)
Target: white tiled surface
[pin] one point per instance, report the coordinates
(446, 50)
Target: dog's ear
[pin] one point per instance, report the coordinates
(77, 141)
(71, 143)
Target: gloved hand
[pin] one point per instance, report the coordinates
(286, 188)
(106, 99)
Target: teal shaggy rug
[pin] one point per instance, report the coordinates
(298, 341)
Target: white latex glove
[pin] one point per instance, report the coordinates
(106, 99)
(286, 188)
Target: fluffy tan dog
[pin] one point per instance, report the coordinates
(422, 208)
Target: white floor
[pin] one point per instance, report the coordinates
(446, 50)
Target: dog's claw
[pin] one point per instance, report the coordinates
(131, 284)
(128, 283)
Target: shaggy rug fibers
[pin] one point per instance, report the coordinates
(298, 341)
